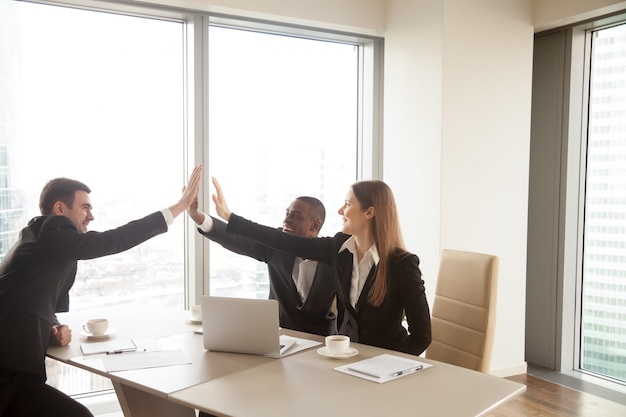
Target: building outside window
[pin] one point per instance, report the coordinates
(603, 322)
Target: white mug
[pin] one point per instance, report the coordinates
(196, 312)
(97, 327)
(337, 344)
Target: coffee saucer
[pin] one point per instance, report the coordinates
(324, 352)
(110, 331)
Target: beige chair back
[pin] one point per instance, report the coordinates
(464, 310)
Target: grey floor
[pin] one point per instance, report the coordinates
(102, 404)
(582, 382)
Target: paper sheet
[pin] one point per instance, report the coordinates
(142, 360)
(383, 368)
(299, 345)
(108, 346)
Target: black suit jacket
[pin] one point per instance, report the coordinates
(37, 274)
(378, 326)
(312, 316)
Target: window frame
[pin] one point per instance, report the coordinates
(556, 344)
(583, 35)
(369, 142)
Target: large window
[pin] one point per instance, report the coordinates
(282, 123)
(104, 107)
(116, 97)
(603, 318)
(118, 109)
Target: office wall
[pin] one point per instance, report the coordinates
(486, 147)
(465, 96)
(412, 125)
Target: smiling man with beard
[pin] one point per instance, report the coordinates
(303, 288)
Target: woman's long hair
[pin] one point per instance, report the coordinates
(385, 231)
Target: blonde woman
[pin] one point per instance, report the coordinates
(378, 282)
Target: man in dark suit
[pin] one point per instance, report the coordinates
(304, 289)
(35, 278)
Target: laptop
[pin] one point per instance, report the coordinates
(242, 325)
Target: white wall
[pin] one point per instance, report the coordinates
(486, 151)
(457, 100)
(412, 125)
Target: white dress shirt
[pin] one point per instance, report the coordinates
(303, 274)
(360, 270)
(207, 224)
(168, 216)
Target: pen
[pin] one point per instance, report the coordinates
(416, 368)
(399, 373)
(114, 352)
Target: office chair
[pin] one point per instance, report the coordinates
(464, 310)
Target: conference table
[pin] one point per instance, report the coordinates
(304, 383)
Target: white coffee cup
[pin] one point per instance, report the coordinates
(196, 312)
(337, 344)
(97, 327)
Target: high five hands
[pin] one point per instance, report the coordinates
(190, 192)
(220, 202)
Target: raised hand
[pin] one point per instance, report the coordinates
(190, 192)
(220, 202)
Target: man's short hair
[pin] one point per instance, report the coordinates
(59, 189)
(317, 208)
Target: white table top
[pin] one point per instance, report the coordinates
(306, 384)
(172, 329)
(303, 384)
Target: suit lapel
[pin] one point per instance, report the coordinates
(344, 270)
(367, 286)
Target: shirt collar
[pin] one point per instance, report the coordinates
(350, 245)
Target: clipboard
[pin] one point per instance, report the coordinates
(383, 368)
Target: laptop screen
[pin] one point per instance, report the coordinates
(240, 325)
